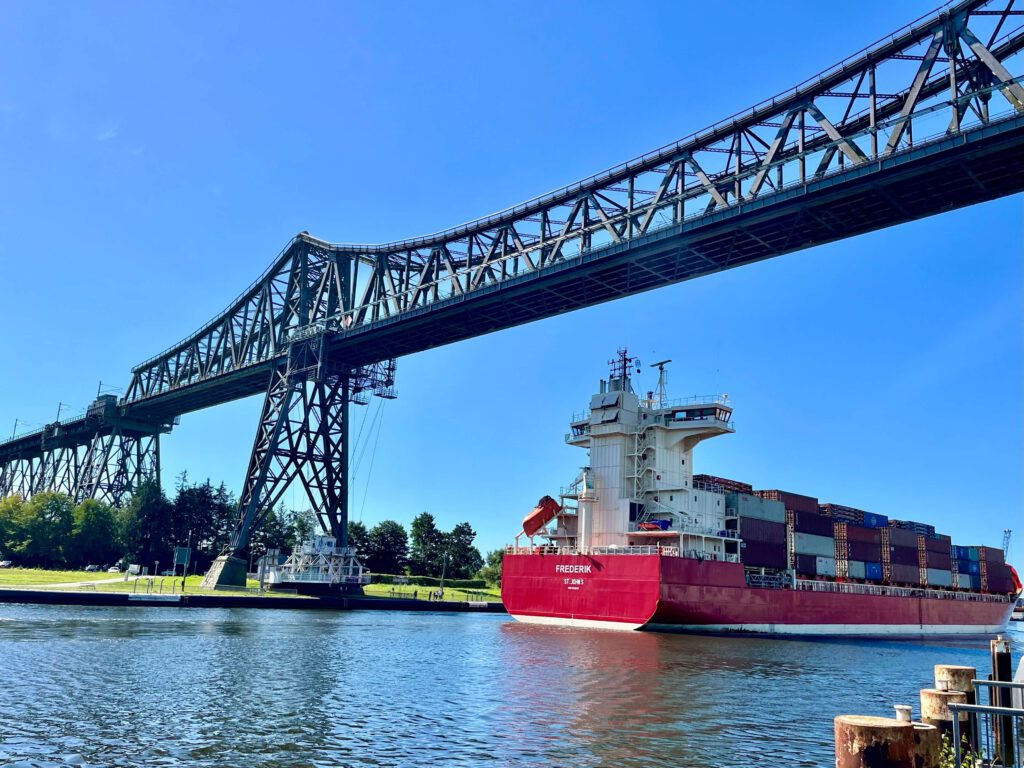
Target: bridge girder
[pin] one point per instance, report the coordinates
(937, 78)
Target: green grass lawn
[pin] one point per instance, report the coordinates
(421, 593)
(38, 578)
(27, 577)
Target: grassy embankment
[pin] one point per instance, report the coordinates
(38, 578)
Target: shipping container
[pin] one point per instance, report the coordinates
(936, 545)
(939, 578)
(901, 537)
(873, 571)
(754, 529)
(812, 522)
(975, 582)
(763, 554)
(809, 544)
(745, 505)
(904, 556)
(990, 554)
(939, 560)
(970, 567)
(972, 553)
(858, 569)
(905, 574)
(720, 484)
(860, 550)
(806, 565)
(793, 501)
(872, 520)
(825, 566)
(961, 553)
(866, 535)
(962, 580)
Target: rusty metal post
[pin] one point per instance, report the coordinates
(935, 708)
(874, 742)
(1002, 670)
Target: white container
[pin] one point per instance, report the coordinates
(809, 544)
(857, 570)
(937, 578)
(751, 506)
(825, 566)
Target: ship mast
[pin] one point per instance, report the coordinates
(621, 365)
(662, 381)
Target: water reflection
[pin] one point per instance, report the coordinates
(159, 686)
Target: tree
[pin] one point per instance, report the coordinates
(464, 559)
(358, 538)
(44, 527)
(94, 534)
(491, 572)
(387, 548)
(274, 533)
(427, 551)
(304, 526)
(155, 517)
(10, 515)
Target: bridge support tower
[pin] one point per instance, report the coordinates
(303, 436)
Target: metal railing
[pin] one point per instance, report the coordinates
(879, 589)
(996, 733)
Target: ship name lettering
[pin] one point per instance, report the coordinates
(572, 569)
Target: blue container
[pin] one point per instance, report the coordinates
(972, 567)
(871, 520)
(960, 553)
(873, 571)
(975, 582)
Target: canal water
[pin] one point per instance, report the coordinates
(162, 686)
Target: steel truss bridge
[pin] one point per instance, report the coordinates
(929, 119)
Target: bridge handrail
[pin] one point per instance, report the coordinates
(895, 41)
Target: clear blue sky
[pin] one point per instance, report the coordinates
(157, 156)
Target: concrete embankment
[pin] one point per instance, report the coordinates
(55, 597)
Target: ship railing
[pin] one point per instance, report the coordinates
(996, 733)
(549, 549)
(881, 589)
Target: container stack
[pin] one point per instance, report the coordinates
(794, 502)
(922, 529)
(761, 524)
(904, 557)
(938, 560)
(843, 514)
(864, 551)
(968, 567)
(814, 544)
(998, 577)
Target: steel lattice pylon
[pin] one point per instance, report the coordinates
(303, 436)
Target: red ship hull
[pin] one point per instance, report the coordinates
(679, 594)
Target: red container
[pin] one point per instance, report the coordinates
(901, 537)
(866, 535)
(793, 501)
(812, 522)
(991, 554)
(752, 529)
(937, 545)
(864, 550)
(905, 574)
(762, 554)
(904, 556)
(940, 560)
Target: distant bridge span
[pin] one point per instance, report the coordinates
(929, 119)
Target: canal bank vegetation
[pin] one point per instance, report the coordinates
(52, 533)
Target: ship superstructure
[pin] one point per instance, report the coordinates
(639, 540)
(637, 489)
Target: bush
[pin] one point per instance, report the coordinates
(428, 581)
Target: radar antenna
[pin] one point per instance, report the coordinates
(1006, 543)
(662, 381)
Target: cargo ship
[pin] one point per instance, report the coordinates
(638, 541)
